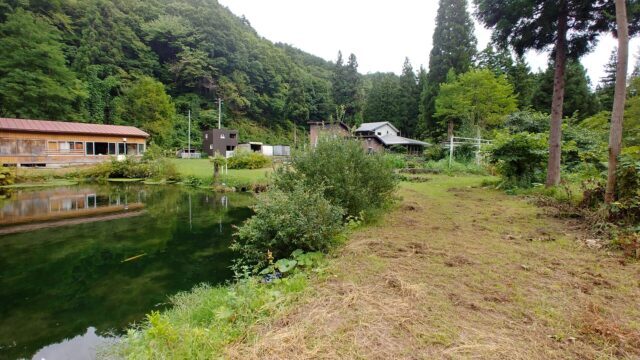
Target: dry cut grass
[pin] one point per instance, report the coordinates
(459, 272)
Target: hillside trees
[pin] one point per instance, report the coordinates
(569, 27)
(346, 87)
(454, 46)
(35, 81)
(383, 101)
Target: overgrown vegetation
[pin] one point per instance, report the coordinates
(156, 168)
(358, 182)
(245, 159)
(300, 218)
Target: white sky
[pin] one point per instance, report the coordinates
(380, 32)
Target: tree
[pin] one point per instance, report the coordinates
(606, 88)
(346, 87)
(408, 100)
(578, 99)
(476, 99)
(570, 27)
(454, 46)
(615, 137)
(383, 99)
(34, 79)
(146, 105)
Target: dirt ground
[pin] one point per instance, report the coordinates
(461, 272)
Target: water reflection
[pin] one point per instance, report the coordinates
(57, 282)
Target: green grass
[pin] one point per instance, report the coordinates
(203, 169)
(202, 321)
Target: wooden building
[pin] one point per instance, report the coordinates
(56, 143)
(321, 128)
(221, 141)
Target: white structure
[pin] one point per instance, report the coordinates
(382, 128)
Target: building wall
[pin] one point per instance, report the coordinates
(27, 148)
(372, 144)
(385, 130)
(315, 131)
(217, 140)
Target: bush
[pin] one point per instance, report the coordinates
(300, 218)
(7, 177)
(350, 178)
(396, 161)
(248, 160)
(521, 158)
(435, 153)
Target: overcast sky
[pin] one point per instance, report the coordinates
(380, 32)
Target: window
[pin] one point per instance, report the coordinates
(230, 147)
(101, 148)
(379, 133)
(79, 146)
(8, 146)
(65, 146)
(232, 136)
(140, 148)
(52, 146)
(89, 149)
(398, 133)
(210, 146)
(206, 136)
(222, 136)
(122, 148)
(112, 149)
(132, 149)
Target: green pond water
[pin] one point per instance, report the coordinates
(79, 264)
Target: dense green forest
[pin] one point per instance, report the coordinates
(147, 63)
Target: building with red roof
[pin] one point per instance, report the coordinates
(57, 143)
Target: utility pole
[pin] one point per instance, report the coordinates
(219, 113)
(189, 141)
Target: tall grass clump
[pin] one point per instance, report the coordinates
(350, 178)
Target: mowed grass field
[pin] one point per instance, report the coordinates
(458, 271)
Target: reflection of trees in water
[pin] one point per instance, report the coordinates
(57, 283)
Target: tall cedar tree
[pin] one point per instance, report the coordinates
(606, 88)
(617, 115)
(569, 27)
(409, 97)
(383, 99)
(346, 85)
(454, 46)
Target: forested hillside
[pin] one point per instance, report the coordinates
(146, 63)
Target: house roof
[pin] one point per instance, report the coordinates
(392, 139)
(62, 127)
(326, 123)
(372, 126)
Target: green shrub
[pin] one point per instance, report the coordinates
(248, 160)
(435, 153)
(520, 158)
(350, 178)
(7, 177)
(300, 218)
(396, 161)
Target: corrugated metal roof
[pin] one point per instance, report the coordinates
(374, 125)
(399, 140)
(62, 127)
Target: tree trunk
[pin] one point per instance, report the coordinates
(449, 130)
(617, 115)
(555, 138)
(216, 172)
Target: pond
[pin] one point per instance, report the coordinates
(79, 264)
